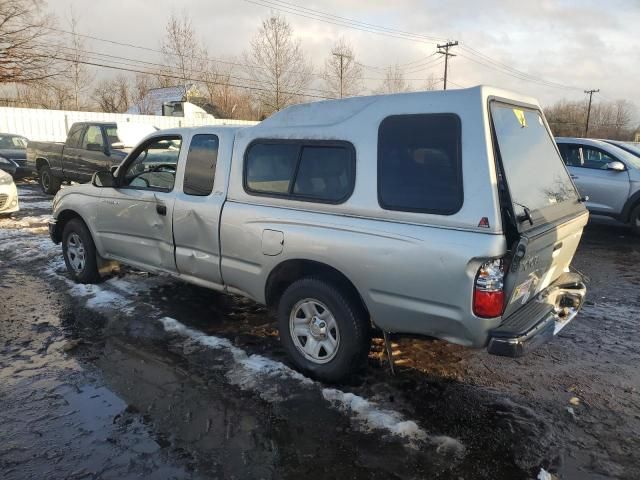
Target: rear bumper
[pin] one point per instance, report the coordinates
(541, 319)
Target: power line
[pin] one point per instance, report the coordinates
(444, 50)
(355, 24)
(178, 77)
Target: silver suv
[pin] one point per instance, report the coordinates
(444, 214)
(607, 175)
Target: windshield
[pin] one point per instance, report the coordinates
(13, 142)
(536, 177)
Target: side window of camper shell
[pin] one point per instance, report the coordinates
(307, 170)
(420, 163)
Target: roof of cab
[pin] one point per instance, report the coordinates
(331, 112)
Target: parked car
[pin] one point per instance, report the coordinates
(397, 211)
(8, 194)
(631, 147)
(13, 154)
(90, 146)
(607, 174)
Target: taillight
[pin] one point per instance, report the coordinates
(488, 293)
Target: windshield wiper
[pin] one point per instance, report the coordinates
(526, 216)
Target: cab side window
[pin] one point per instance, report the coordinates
(75, 134)
(595, 158)
(154, 165)
(200, 169)
(93, 139)
(571, 155)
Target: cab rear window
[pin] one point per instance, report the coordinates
(419, 163)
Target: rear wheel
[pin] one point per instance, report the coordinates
(325, 331)
(634, 221)
(50, 184)
(79, 252)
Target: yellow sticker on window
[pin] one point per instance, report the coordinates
(520, 116)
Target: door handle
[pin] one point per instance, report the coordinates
(575, 177)
(161, 209)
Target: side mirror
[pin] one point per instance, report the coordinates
(616, 166)
(94, 147)
(103, 179)
(113, 170)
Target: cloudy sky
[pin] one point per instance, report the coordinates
(562, 47)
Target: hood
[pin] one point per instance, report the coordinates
(13, 154)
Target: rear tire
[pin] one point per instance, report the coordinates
(634, 220)
(326, 333)
(79, 252)
(48, 182)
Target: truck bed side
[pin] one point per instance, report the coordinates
(45, 152)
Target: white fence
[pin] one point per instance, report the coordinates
(53, 125)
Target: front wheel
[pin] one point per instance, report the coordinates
(634, 221)
(79, 252)
(48, 182)
(326, 332)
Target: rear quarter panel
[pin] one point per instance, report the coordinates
(49, 151)
(412, 278)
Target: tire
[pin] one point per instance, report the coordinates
(634, 220)
(79, 252)
(48, 182)
(323, 315)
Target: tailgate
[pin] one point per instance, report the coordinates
(541, 256)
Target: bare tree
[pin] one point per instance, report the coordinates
(27, 54)
(45, 94)
(139, 93)
(277, 65)
(182, 50)
(393, 82)
(78, 74)
(342, 73)
(608, 119)
(113, 95)
(431, 83)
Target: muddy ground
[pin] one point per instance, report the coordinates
(145, 377)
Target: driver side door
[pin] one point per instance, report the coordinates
(135, 217)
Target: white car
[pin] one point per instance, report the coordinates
(8, 194)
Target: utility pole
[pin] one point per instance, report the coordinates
(444, 50)
(590, 92)
(341, 56)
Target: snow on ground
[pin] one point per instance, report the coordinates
(257, 373)
(44, 205)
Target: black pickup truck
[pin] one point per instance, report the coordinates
(90, 146)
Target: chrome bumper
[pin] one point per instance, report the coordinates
(541, 319)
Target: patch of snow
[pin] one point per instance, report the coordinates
(256, 373)
(35, 205)
(372, 417)
(544, 475)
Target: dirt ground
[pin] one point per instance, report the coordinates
(146, 377)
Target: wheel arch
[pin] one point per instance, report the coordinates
(632, 202)
(288, 271)
(41, 162)
(62, 219)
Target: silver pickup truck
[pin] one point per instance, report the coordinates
(444, 214)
